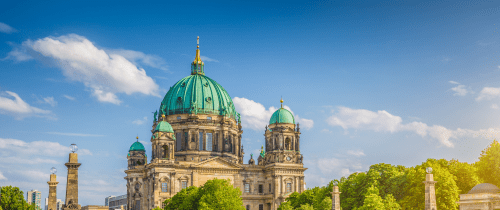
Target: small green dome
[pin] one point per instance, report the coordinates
(282, 116)
(198, 94)
(137, 146)
(164, 126)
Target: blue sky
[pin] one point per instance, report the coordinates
(372, 81)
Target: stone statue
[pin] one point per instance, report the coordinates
(251, 161)
(156, 113)
(298, 128)
(300, 158)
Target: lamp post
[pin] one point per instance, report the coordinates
(52, 205)
(430, 191)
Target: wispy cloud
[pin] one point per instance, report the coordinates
(453, 82)
(17, 54)
(69, 97)
(494, 106)
(4, 28)
(2, 177)
(50, 101)
(74, 134)
(140, 122)
(207, 59)
(255, 116)
(105, 73)
(19, 108)
(488, 93)
(460, 90)
(138, 58)
(357, 153)
(383, 121)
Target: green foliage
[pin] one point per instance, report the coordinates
(488, 166)
(390, 203)
(305, 207)
(13, 199)
(317, 198)
(466, 176)
(372, 200)
(215, 194)
(446, 188)
(157, 208)
(353, 190)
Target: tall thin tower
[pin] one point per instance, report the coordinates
(52, 201)
(71, 202)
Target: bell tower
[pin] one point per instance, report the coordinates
(163, 142)
(136, 155)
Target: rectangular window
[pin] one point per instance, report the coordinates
(164, 187)
(209, 118)
(215, 142)
(270, 188)
(184, 184)
(200, 139)
(261, 206)
(261, 188)
(247, 187)
(248, 207)
(186, 140)
(209, 141)
(178, 139)
(163, 205)
(288, 187)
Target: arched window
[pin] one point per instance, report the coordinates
(288, 144)
(164, 187)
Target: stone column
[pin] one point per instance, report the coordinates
(205, 140)
(430, 191)
(71, 201)
(335, 198)
(52, 205)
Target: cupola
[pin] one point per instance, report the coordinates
(282, 115)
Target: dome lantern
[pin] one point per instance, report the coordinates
(282, 115)
(197, 66)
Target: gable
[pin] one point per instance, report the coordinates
(216, 163)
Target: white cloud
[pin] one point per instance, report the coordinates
(460, 90)
(326, 131)
(494, 106)
(357, 153)
(382, 121)
(255, 116)
(104, 73)
(50, 100)
(17, 54)
(2, 177)
(18, 152)
(20, 109)
(488, 93)
(336, 167)
(75, 134)
(207, 59)
(69, 97)
(140, 122)
(453, 82)
(137, 57)
(4, 28)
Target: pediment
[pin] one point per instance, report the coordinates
(217, 163)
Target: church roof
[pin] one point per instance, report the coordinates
(137, 146)
(484, 188)
(164, 126)
(282, 116)
(198, 94)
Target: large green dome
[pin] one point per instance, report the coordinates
(198, 94)
(137, 146)
(164, 126)
(282, 116)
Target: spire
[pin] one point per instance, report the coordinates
(281, 102)
(137, 138)
(197, 66)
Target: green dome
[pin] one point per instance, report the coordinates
(164, 126)
(198, 94)
(282, 116)
(137, 146)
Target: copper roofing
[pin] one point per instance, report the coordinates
(484, 188)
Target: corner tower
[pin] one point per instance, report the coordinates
(136, 154)
(203, 118)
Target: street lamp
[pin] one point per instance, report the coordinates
(53, 170)
(73, 148)
(429, 170)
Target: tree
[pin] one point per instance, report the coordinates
(13, 199)
(317, 198)
(465, 175)
(285, 206)
(488, 166)
(305, 207)
(353, 190)
(446, 188)
(214, 194)
(372, 200)
(219, 194)
(390, 203)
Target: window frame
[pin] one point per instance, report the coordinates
(184, 184)
(246, 187)
(164, 187)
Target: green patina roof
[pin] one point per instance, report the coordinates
(164, 126)
(137, 146)
(282, 116)
(198, 94)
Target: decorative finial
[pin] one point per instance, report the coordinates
(281, 102)
(137, 137)
(197, 65)
(198, 42)
(163, 117)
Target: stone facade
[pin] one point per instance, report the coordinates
(335, 198)
(482, 196)
(71, 202)
(52, 200)
(94, 207)
(279, 172)
(430, 192)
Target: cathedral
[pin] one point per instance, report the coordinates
(196, 136)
